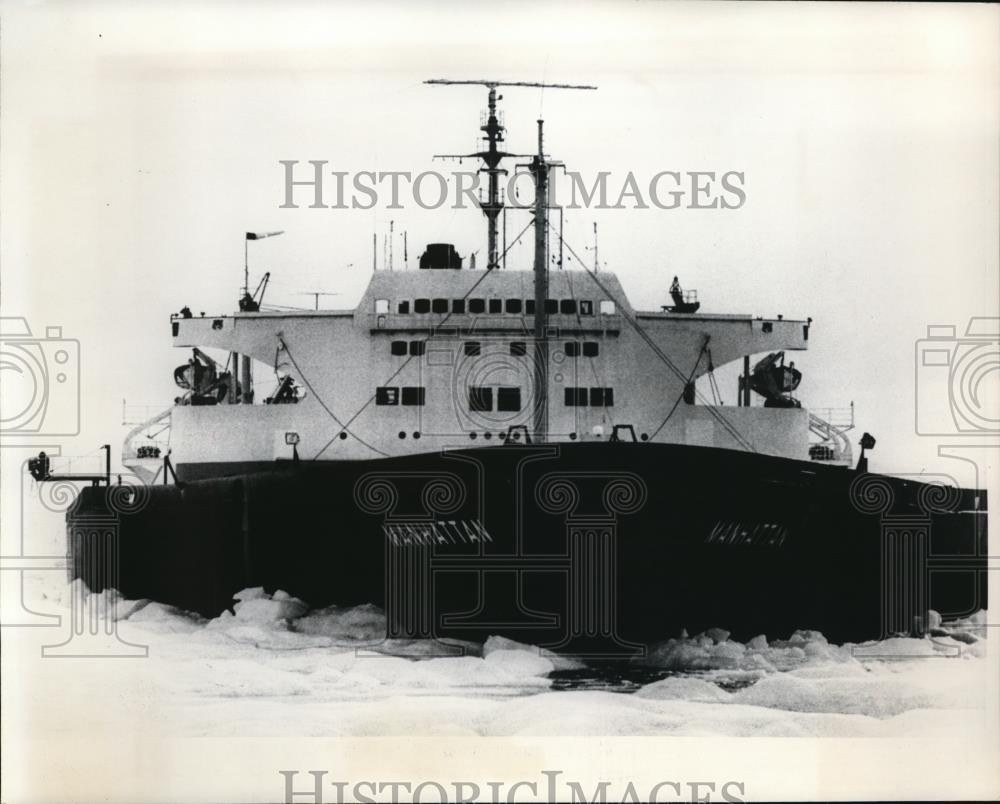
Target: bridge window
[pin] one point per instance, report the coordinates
(422, 306)
(472, 348)
(571, 348)
(602, 397)
(567, 307)
(496, 305)
(417, 348)
(607, 307)
(766, 327)
(509, 399)
(397, 348)
(387, 396)
(439, 306)
(595, 397)
(477, 306)
(590, 348)
(518, 348)
(403, 307)
(586, 307)
(480, 398)
(413, 395)
(458, 306)
(381, 306)
(513, 305)
(551, 306)
(529, 306)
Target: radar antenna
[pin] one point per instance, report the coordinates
(493, 131)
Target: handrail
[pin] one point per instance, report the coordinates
(842, 418)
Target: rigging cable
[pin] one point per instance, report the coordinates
(319, 399)
(677, 401)
(723, 421)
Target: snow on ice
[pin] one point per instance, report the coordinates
(273, 666)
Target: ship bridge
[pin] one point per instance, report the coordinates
(435, 359)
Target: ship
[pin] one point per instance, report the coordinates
(524, 453)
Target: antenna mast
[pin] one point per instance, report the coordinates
(493, 131)
(540, 169)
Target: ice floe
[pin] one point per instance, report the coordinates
(271, 665)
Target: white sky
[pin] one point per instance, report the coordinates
(138, 144)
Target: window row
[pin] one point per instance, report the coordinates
(594, 397)
(494, 306)
(390, 395)
(486, 399)
(474, 348)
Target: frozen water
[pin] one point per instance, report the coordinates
(271, 655)
(271, 666)
(361, 624)
(685, 688)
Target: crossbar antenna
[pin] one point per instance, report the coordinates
(316, 294)
(486, 82)
(491, 155)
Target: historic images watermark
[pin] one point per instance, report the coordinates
(435, 522)
(314, 185)
(41, 381)
(957, 380)
(313, 786)
(957, 404)
(40, 407)
(936, 535)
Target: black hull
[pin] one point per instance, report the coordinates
(589, 548)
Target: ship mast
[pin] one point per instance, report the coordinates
(492, 207)
(491, 155)
(539, 168)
